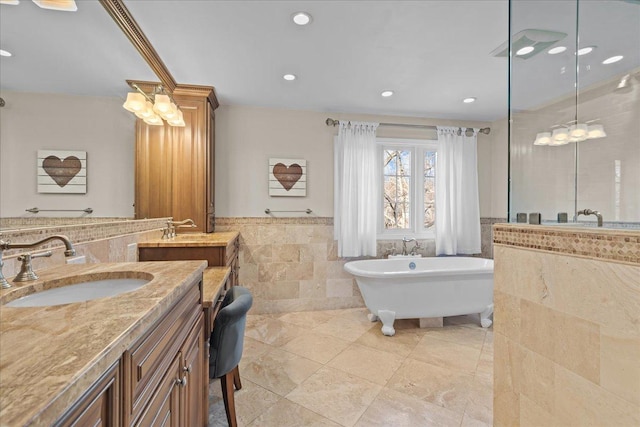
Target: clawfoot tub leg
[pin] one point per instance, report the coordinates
(484, 316)
(372, 317)
(387, 317)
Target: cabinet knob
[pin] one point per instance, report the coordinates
(187, 369)
(182, 382)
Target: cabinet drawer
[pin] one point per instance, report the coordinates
(149, 358)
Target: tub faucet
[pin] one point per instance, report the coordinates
(406, 240)
(69, 251)
(590, 212)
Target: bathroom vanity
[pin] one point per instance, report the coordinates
(136, 358)
(218, 249)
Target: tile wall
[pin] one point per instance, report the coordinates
(567, 326)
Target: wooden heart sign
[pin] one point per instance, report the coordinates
(62, 171)
(287, 176)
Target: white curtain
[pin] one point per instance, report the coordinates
(457, 206)
(356, 186)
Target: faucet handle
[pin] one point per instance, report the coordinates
(28, 256)
(26, 269)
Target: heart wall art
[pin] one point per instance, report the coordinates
(62, 171)
(288, 177)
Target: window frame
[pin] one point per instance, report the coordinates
(418, 148)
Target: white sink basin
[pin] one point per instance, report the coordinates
(79, 292)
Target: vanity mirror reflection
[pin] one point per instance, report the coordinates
(63, 88)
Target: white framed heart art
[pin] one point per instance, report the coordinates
(287, 177)
(61, 171)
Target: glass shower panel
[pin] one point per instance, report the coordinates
(609, 97)
(543, 39)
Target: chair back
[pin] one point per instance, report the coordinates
(227, 337)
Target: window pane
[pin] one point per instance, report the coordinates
(397, 189)
(429, 188)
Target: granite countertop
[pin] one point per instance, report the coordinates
(212, 283)
(49, 356)
(192, 240)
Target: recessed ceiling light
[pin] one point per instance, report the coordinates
(469, 100)
(289, 77)
(4, 53)
(556, 50)
(301, 18)
(386, 93)
(612, 59)
(64, 5)
(585, 50)
(525, 50)
(13, 2)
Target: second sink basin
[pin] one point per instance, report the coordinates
(79, 291)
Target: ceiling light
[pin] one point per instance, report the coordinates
(469, 100)
(556, 50)
(612, 59)
(64, 5)
(301, 18)
(4, 53)
(387, 93)
(540, 40)
(289, 77)
(543, 138)
(154, 107)
(585, 50)
(596, 131)
(578, 130)
(576, 133)
(13, 2)
(560, 136)
(525, 50)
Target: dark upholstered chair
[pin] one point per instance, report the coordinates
(226, 343)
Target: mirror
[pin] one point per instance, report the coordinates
(63, 90)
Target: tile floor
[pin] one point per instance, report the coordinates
(335, 368)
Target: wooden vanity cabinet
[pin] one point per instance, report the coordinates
(100, 405)
(174, 166)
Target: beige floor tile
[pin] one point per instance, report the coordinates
(447, 354)
(471, 337)
(341, 397)
(488, 342)
(480, 405)
(307, 319)
(467, 421)
(256, 319)
(345, 327)
(467, 320)
(285, 413)
(251, 401)
(368, 363)
(316, 346)
(402, 343)
(252, 349)
(394, 409)
(279, 371)
(441, 386)
(484, 371)
(273, 331)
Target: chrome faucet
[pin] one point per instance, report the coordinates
(170, 231)
(406, 240)
(69, 251)
(590, 212)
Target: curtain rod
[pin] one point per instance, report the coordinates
(332, 122)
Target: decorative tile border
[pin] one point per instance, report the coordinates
(230, 221)
(610, 244)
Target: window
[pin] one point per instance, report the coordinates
(408, 169)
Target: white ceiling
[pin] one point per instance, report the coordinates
(432, 54)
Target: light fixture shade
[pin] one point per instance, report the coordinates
(162, 104)
(135, 102)
(560, 136)
(178, 120)
(154, 120)
(596, 131)
(172, 113)
(65, 5)
(543, 138)
(577, 131)
(146, 112)
(12, 2)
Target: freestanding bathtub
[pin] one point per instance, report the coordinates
(417, 288)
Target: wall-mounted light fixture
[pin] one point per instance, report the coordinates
(577, 132)
(154, 107)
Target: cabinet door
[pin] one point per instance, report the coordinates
(196, 389)
(163, 409)
(100, 406)
(210, 170)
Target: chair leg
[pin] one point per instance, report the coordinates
(227, 382)
(236, 377)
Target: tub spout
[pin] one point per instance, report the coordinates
(406, 240)
(590, 212)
